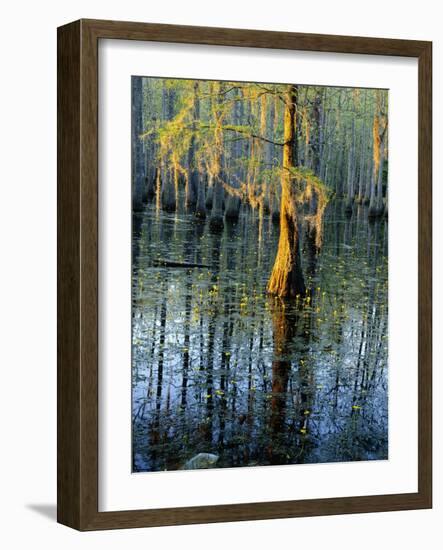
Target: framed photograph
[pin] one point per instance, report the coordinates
(244, 318)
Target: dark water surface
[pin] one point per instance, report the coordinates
(220, 367)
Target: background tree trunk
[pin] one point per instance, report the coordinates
(192, 180)
(216, 220)
(167, 180)
(138, 176)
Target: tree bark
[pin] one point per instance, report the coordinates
(351, 168)
(287, 277)
(192, 180)
(167, 181)
(375, 204)
(233, 202)
(216, 220)
(137, 145)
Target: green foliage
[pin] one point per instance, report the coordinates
(237, 137)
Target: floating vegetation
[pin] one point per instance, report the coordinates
(220, 367)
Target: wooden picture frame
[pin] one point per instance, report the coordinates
(78, 274)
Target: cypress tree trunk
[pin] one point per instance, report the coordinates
(209, 192)
(287, 277)
(232, 208)
(274, 191)
(167, 181)
(379, 133)
(216, 220)
(275, 206)
(379, 198)
(269, 155)
(137, 145)
(362, 155)
(192, 180)
(317, 148)
(150, 182)
(385, 208)
(372, 207)
(361, 174)
(200, 209)
(149, 145)
(327, 149)
(168, 193)
(373, 210)
(368, 186)
(351, 170)
(233, 202)
(315, 133)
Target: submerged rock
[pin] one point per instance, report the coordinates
(202, 460)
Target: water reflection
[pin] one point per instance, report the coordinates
(220, 367)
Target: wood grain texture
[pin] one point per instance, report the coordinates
(78, 273)
(425, 273)
(254, 38)
(68, 275)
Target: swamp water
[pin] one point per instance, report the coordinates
(220, 367)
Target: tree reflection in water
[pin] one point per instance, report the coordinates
(221, 367)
